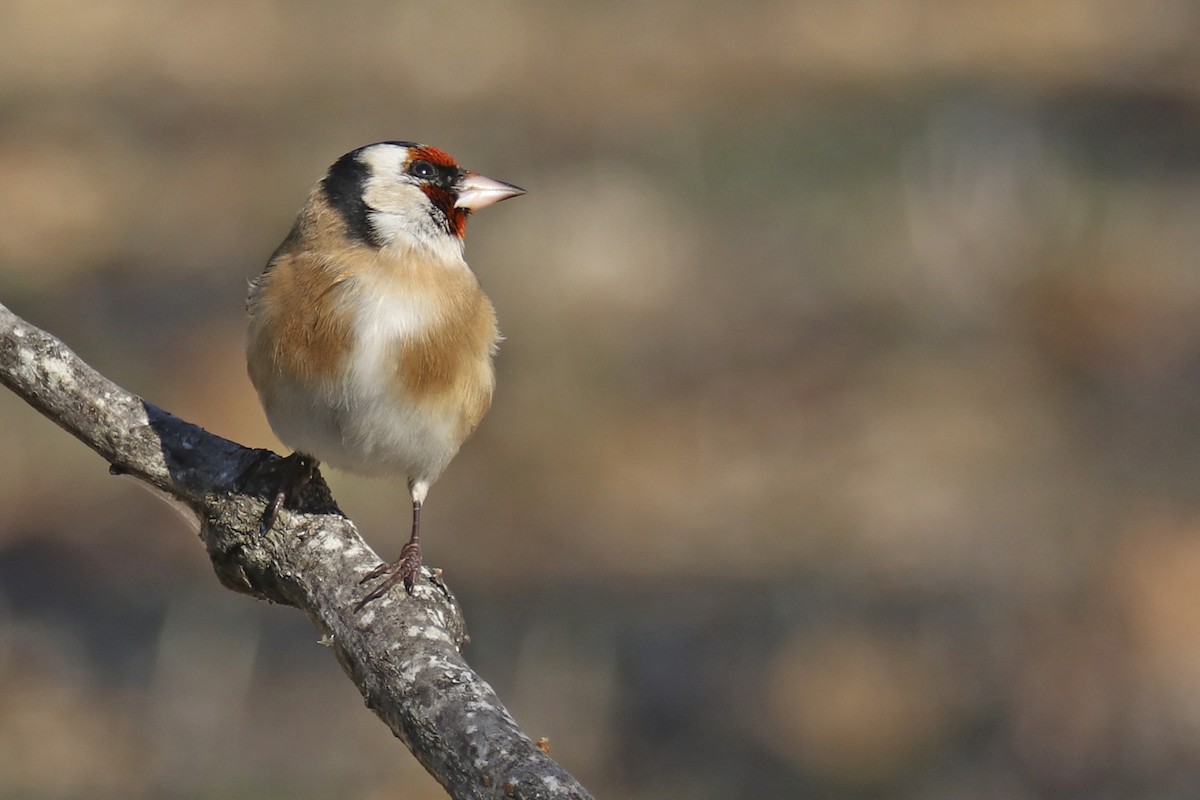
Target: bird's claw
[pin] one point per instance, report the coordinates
(298, 470)
(271, 512)
(403, 570)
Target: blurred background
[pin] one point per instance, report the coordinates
(845, 443)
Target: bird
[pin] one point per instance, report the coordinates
(370, 340)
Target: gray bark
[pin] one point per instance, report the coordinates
(401, 651)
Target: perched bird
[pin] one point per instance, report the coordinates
(370, 340)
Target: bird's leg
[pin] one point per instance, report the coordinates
(408, 565)
(403, 569)
(298, 471)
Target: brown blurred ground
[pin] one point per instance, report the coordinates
(846, 440)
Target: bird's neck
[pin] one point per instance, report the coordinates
(440, 249)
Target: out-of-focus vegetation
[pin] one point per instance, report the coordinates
(847, 441)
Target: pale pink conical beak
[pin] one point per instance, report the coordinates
(476, 192)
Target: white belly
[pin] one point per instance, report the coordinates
(365, 430)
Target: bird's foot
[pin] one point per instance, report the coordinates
(298, 469)
(403, 570)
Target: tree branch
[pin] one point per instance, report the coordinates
(401, 652)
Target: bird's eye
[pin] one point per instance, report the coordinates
(423, 170)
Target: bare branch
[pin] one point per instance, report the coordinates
(401, 652)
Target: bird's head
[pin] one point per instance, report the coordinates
(407, 195)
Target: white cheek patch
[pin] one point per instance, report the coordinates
(398, 207)
(400, 213)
